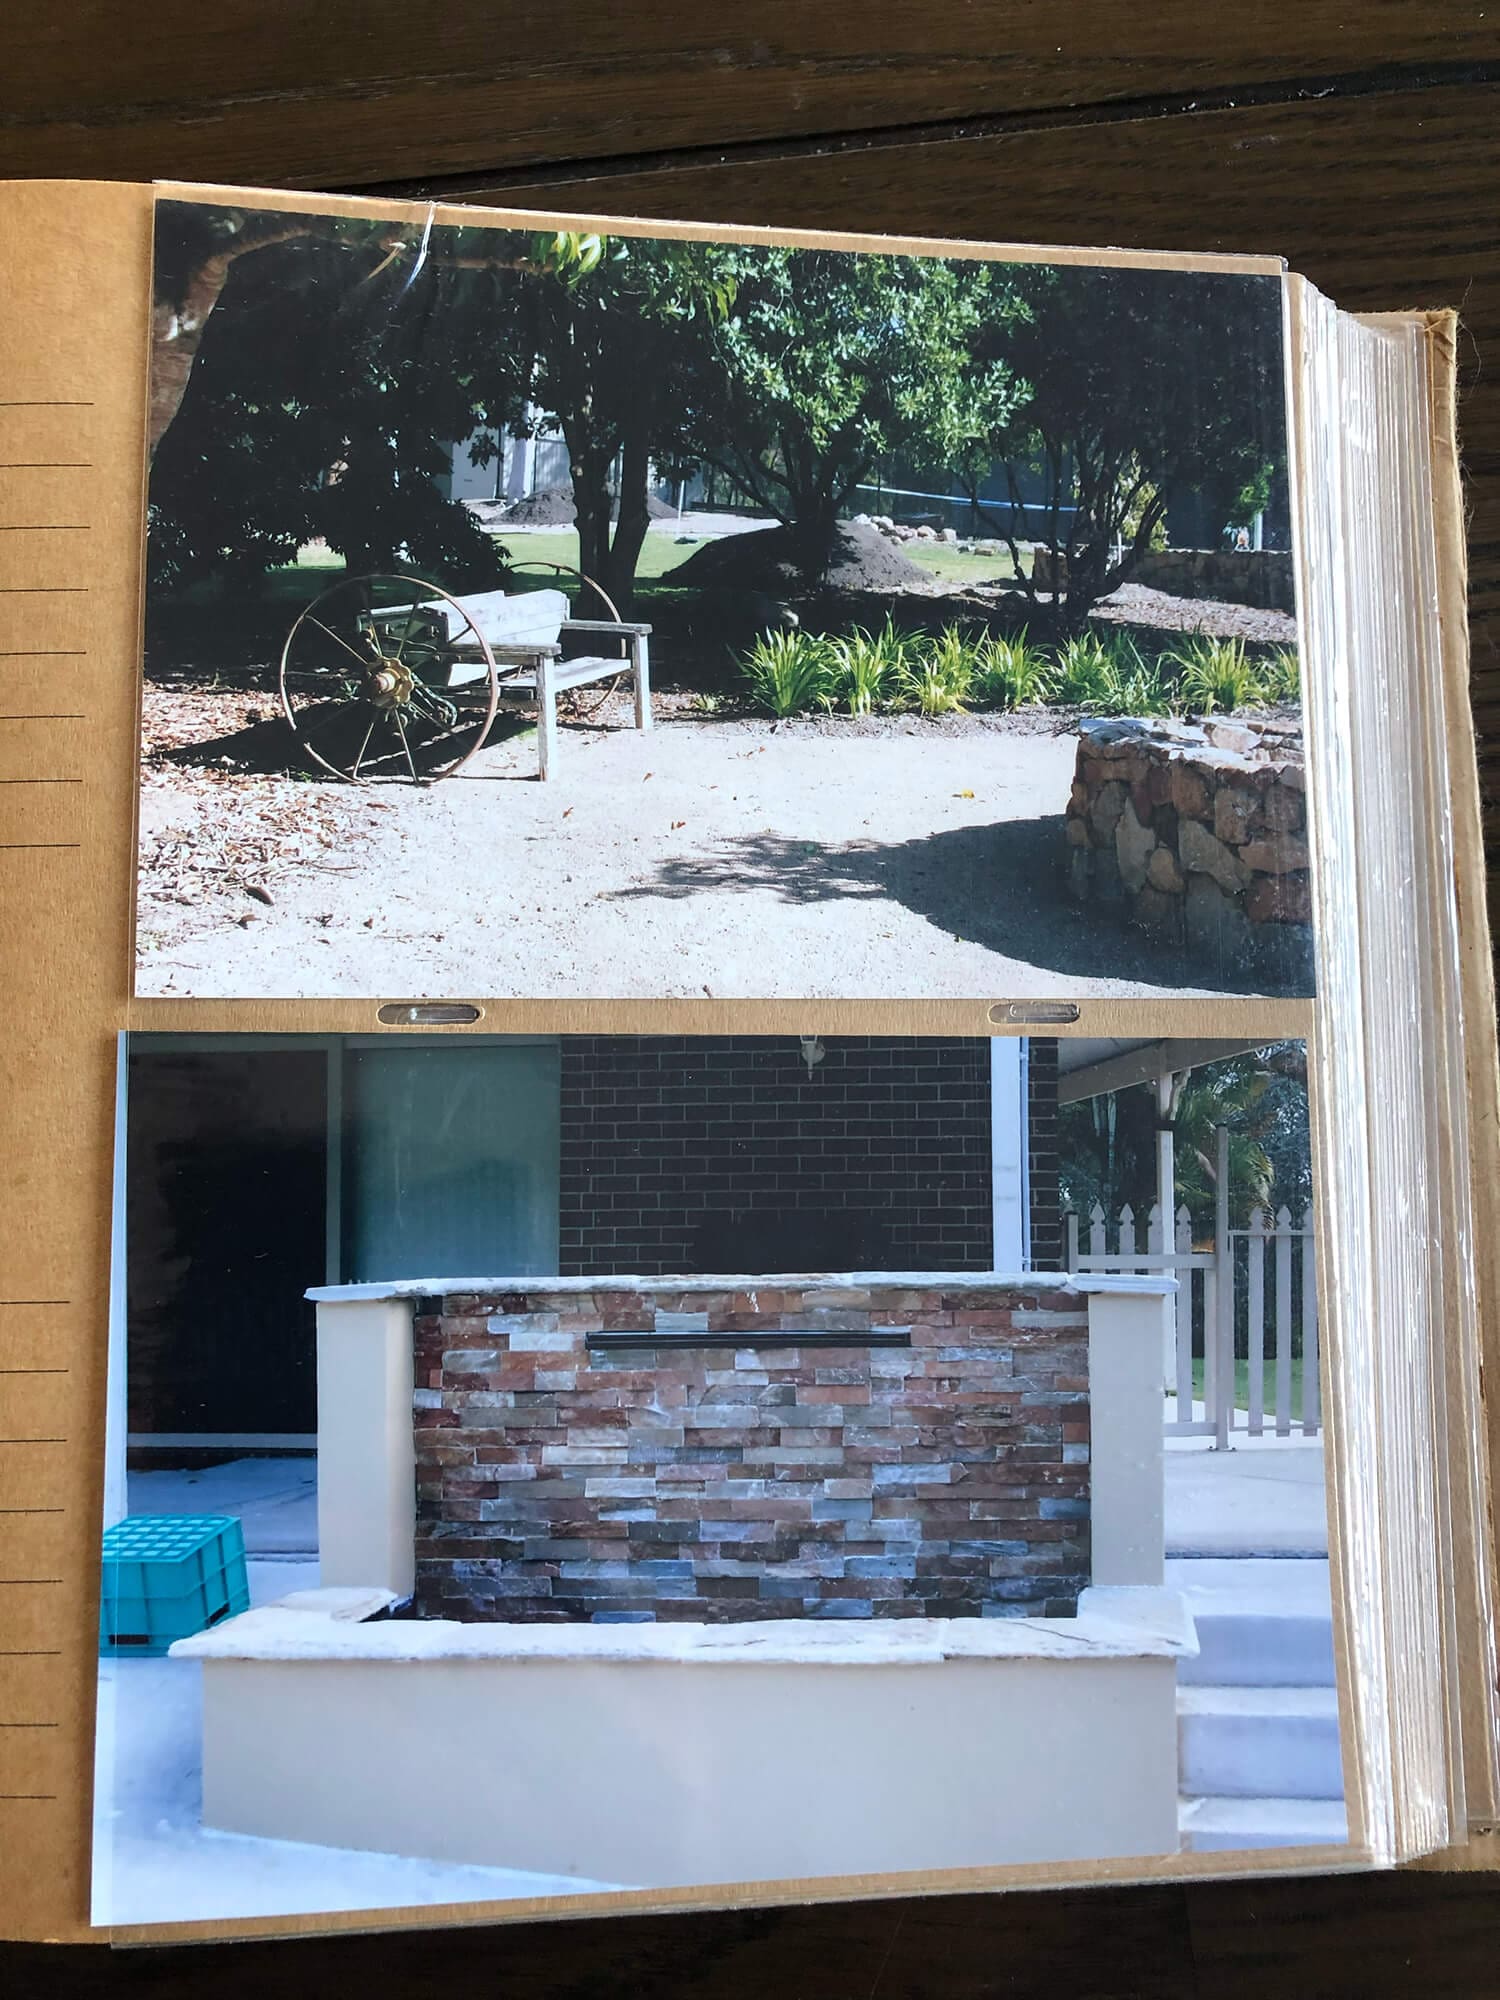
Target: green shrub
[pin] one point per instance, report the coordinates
(939, 674)
(1216, 674)
(1281, 675)
(1010, 673)
(1085, 670)
(865, 669)
(789, 672)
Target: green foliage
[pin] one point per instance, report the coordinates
(1010, 672)
(610, 348)
(938, 676)
(866, 669)
(789, 673)
(335, 361)
(1281, 675)
(1085, 670)
(1216, 675)
(1140, 386)
(1108, 1144)
(830, 360)
(1102, 670)
(566, 254)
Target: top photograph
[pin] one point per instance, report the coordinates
(552, 613)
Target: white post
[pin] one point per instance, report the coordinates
(640, 657)
(1009, 1234)
(367, 1469)
(1283, 1321)
(1183, 1316)
(1221, 1373)
(1255, 1314)
(116, 1394)
(1126, 1471)
(546, 718)
(1166, 1206)
(1311, 1401)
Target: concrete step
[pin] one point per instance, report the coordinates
(1210, 1824)
(1259, 1742)
(1261, 1621)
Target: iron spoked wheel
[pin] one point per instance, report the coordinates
(584, 702)
(388, 678)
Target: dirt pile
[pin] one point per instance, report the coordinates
(554, 507)
(771, 560)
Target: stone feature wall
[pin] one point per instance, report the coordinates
(1198, 832)
(728, 1153)
(797, 1449)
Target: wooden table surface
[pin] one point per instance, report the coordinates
(1356, 140)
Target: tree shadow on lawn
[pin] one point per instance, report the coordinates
(1001, 886)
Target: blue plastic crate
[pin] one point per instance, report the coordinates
(168, 1575)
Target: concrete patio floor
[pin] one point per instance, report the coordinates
(1263, 1497)
(155, 1863)
(153, 1860)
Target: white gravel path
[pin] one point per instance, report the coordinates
(726, 859)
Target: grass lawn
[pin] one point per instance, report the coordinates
(1242, 1385)
(662, 553)
(316, 569)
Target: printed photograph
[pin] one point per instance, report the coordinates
(521, 1450)
(564, 614)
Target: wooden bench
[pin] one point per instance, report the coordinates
(543, 669)
(531, 658)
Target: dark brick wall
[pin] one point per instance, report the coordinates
(1042, 1133)
(699, 1153)
(816, 1451)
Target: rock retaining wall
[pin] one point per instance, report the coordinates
(1198, 832)
(1261, 578)
(828, 1450)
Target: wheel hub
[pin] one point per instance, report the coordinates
(392, 684)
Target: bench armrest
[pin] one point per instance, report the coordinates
(605, 625)
(521, 653)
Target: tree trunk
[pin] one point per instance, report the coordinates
(635, 518)
(590, 468)
(815, 513)
(177, 326)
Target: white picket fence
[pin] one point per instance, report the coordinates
(1223, 1301)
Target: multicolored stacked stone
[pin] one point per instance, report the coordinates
(798, 1448)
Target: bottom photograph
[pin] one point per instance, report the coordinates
(552, 1466)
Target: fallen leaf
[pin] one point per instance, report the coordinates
(261, 895)
(963, 795)
(677, 823)
(566, 811)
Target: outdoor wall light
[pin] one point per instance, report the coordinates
(813, 1051)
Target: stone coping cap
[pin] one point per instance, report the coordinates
(1114, 1622)
(1159, 1284)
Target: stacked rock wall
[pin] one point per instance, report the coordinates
(782, 1449)
(1198, 833)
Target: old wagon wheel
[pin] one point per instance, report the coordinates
(581, 703)
(388, 677)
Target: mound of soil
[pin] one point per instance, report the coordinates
(554, 507)
(771, 560)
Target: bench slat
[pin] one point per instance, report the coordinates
(571, 673)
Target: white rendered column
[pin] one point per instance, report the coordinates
(1126, 1417)
(367, 1493)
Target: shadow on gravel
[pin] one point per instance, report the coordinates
(1000, 886)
